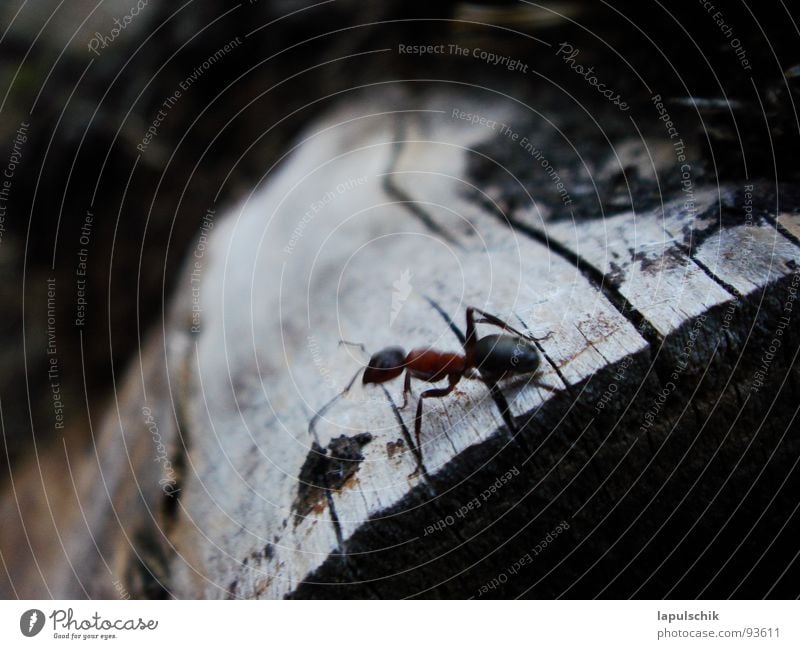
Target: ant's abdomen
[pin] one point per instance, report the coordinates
(498, 354)
(432, 366)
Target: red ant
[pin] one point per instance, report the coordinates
(490, 358)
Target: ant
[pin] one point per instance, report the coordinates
(490, 358)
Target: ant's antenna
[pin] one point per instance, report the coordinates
(352, 344)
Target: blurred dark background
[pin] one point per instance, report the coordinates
(72, 120)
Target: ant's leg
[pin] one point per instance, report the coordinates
(488, 318)
(429, 394)
(406, 391)
(312, 425)
(472, 337)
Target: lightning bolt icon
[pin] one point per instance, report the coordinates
(32, 621)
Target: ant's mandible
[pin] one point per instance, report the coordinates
(491, 357)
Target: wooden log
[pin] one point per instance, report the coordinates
(652, 330)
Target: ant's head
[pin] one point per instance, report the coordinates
(385, 365)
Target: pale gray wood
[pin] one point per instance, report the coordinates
(340, 278)
(647, 265)
(278, 293)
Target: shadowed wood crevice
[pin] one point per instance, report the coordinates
(603, 487)
(663, 442)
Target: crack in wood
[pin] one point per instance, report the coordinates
(399, 195)
(599, 280)
(711, 275)
(421, 468)
(784, 231)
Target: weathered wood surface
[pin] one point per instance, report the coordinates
(330, 248)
